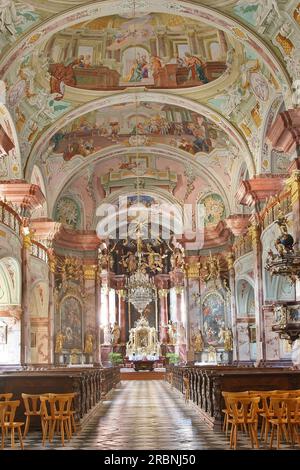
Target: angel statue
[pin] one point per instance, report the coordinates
(285, 242)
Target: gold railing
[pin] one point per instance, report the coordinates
(242, 245)
(39, 251)
(281, 203)
(10, 218)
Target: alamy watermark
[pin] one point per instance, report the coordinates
(159, 220)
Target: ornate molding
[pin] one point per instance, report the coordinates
(258, 189)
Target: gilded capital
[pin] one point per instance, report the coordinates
(162, 293)
(121, 293)
(89, 272)
(293, 184)
(179, 289)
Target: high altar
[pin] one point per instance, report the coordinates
(143, 341)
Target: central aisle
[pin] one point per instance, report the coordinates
(147, 415)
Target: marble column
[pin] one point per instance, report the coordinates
(25, 319)
(90, 305)
(122, 314)
(258, 292)
(98, 321)
(232, 287)
(164, 317)
(51, 311)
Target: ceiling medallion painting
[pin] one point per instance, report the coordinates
(151, 123)
(154, 50)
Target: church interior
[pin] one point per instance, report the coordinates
(150, 224)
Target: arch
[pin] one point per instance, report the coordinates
(245, 297)
(162, 151)
(119, 217)
(39, 298)
(10, 281)
(141, 96)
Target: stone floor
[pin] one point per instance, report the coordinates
(143, 415)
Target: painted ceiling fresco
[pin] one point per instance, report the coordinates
(146, 124)
(155, 51)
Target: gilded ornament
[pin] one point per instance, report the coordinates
(162, 293)
(89, 272)
(193, 270)
(293, 184)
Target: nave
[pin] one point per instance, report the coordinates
(141, 415)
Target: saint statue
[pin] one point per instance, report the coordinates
(228, 341)
(88, 347)
(59, 343)
(116, 333)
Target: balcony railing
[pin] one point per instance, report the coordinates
(10, 218)
(39, 251)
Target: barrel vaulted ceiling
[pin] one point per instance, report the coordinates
(91, 86)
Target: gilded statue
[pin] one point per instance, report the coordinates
(88, 347)
(285, 242)
(211, 269)
(228, 340)
(212, 354)
(59, 342)
(197, 341)
(172, 332)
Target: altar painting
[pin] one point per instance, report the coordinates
(71, 323)
(213, 310)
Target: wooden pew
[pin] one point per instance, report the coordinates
(208, 382)
(89, 384)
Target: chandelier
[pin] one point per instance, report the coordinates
(140, 285)
(140, 290)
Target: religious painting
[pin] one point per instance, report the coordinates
(213, 311)
(153, 50)
(3, 333)
(71, 323)
(214, 209)
(143, 125)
